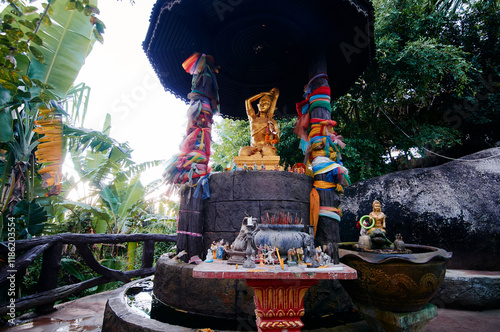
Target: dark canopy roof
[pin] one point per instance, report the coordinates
(261, 44)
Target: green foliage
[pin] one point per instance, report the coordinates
(116, 198)
(31, 218)
(231, 135)
(288, 146)
(433, 86)
(41, 51)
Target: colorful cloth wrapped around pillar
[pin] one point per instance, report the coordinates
(192, 162)
(321, 146)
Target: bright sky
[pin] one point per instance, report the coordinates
(124, 85)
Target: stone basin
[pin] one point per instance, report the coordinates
(395, 282)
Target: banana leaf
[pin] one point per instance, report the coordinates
(66, 44)
(131, 250)
(74, 268)
(33, 216)
(135, 191)
(109, 195)
(6, 132)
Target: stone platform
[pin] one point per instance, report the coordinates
(87, 314)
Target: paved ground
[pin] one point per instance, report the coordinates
(86, 314)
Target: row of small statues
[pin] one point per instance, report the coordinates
(297, 257)
(295, 169)
(217, 251)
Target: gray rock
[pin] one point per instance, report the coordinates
(455, 206)
(469, 290)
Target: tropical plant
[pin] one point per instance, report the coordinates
(230, 135)
(41, 51)
(409, 103)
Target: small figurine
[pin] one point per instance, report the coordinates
(219, 247)
(255, 168)
(270, 257)
(399, 245)
(378, 216)
(300, 255)
(238, 248)
(324, 259)
(251, 229)
(226, 254)
(261, 260)
(210, 257)
(262, 166)
(245, 167)
(377, 231)
(292, 257)
(214, 250)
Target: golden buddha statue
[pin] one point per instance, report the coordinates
(264, 129)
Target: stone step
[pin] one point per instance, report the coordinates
(469, 290)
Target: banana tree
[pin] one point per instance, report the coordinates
(41, 53)
(108, 182)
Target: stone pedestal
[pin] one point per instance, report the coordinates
(236, 195)
(279, 304)
(387, 321)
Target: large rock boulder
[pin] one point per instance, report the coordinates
(455, 206)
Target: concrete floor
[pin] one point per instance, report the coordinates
(86, 315)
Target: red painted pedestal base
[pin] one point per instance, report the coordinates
(279, 293)
(280, 303)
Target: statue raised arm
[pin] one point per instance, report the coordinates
(264, 129)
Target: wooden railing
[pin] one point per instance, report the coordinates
(51, 247)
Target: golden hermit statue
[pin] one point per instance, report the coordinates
(264, 129)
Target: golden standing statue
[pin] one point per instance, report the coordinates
(264, 129)
(378, 216)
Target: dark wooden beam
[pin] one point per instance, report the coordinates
(71, 238)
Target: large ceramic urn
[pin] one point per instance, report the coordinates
(396, 282)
